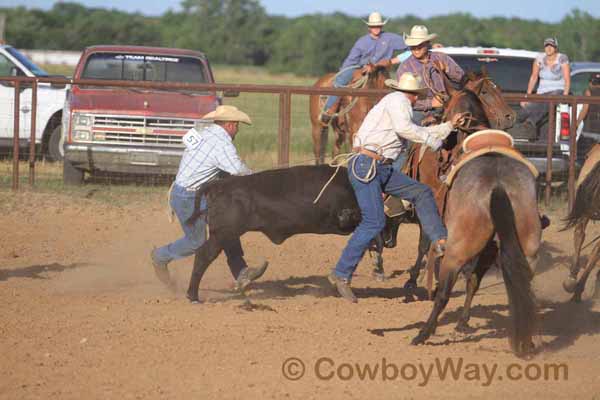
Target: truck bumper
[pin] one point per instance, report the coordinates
(560, 167)
(123, 159)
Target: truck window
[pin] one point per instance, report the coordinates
(7, 67)
(511, 74)
(37, 71)
(144, 67)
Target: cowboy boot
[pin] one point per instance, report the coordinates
(161, 271)
(328, 115)
(343, 287)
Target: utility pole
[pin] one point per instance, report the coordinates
(2, 26)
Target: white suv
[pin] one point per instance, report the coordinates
(511, 69)
(50, 102)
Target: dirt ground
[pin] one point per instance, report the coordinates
(84, 317)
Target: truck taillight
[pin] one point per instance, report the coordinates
(565, 129)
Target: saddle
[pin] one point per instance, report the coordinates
(486, 142)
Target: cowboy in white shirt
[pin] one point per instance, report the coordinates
(381, 138)
(206, 154)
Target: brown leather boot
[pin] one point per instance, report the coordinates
(327, 116)
(343, 287)
(161, 270)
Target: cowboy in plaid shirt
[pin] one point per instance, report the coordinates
(206, 154)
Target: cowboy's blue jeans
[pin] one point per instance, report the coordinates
(194, 235)
(370, 202)
(342, 79)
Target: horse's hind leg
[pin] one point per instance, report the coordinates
(424, 245)
(578, 238)
(483, 263)
(205, 255)
(441, 300)
(580, 286)
(319, 134)
(340, 137)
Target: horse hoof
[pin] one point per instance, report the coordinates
(570, 284)
(526, 351)
(379, 276)
(410, 284)
(419, 339)
(194, 299)
(463, 327)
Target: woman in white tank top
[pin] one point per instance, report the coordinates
(552, 70)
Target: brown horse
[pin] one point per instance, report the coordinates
(499, 114)
(490, 195)
(585, 208)
(352, 112)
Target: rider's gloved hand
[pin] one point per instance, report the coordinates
(441, 66)
(458, 119)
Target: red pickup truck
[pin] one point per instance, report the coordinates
(113, 129)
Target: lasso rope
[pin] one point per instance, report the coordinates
(344, 159)
(428, 81)
(359, 84)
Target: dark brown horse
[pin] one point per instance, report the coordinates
(352, 111)
(585, 208)
(491, 195)
(499, 114)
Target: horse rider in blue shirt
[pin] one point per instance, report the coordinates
(376, 47)
(207, 153)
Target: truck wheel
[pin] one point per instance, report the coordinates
(55, 145)
(71, 175)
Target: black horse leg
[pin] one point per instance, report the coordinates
(596, 294)
(204, 256)
(580, 286)
(424, 245)
(441, 300)
(377, 245)
(483, 263)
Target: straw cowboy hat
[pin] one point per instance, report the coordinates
(228, 113)
(375, 19)
(407, 83)
(418, 35)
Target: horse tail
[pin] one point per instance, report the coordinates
(587, 199)
(515, 270)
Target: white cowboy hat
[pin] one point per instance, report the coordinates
(418, 35)
(375, 19)
(407, 83)
(228, 113)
